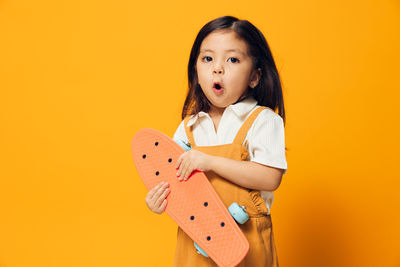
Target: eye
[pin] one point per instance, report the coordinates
(206, 57)
(235, 59)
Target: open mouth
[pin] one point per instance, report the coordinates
(218, 89)
(217, 86)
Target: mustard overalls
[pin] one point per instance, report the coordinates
(258, 229)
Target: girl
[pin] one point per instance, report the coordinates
(237, 139)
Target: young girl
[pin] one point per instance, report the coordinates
(236, 137)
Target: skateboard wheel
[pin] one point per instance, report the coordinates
(183, 145)
(238, 213)
(199, 250)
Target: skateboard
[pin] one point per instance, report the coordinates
(193, 204)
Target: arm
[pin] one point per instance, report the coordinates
(244, 173)
(247, 174)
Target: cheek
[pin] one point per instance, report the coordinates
(239, 78)
(242, 77)
(202, 74)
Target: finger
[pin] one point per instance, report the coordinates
(159, 191)
(182, 168)
(155, 188)
(184, 172)
(150, 195)
(162, 197)
(163, 205)
(178, 162)
(188, 172)
(181, 164)
(184, 158)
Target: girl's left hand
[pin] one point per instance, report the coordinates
(192, 160)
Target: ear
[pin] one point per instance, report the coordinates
(255, 77)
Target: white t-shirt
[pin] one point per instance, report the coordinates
(266, 136)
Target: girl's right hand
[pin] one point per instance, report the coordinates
(156, 198)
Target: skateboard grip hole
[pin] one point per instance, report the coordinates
(144, 156)
(156, 143)
(208, 238)
(157, 173)
(192, 218)
(222, 224)
(169, 160)
(205, 204)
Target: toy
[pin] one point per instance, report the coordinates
(193, 204)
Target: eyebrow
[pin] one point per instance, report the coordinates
(228, 50)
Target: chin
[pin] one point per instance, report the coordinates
(219, 105)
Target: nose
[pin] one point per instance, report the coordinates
(218, 69)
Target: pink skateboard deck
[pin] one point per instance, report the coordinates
(193, 204)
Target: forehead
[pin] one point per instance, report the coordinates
(223, 41)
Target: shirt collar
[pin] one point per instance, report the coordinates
(240, 109)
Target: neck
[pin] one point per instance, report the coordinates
(216, 112)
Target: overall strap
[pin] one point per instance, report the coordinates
(188, 131)
(241, 134)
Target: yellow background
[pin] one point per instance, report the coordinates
(79, 78)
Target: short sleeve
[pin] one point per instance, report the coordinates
(266, 140)
(180, 133)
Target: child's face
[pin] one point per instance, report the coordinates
(233, 70)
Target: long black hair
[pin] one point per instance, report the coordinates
(268, 92)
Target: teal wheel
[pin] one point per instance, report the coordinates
(199, 250)
(238, 213)
(183, 145)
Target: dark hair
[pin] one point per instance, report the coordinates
(268, 92)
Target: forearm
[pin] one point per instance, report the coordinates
(247, 174)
